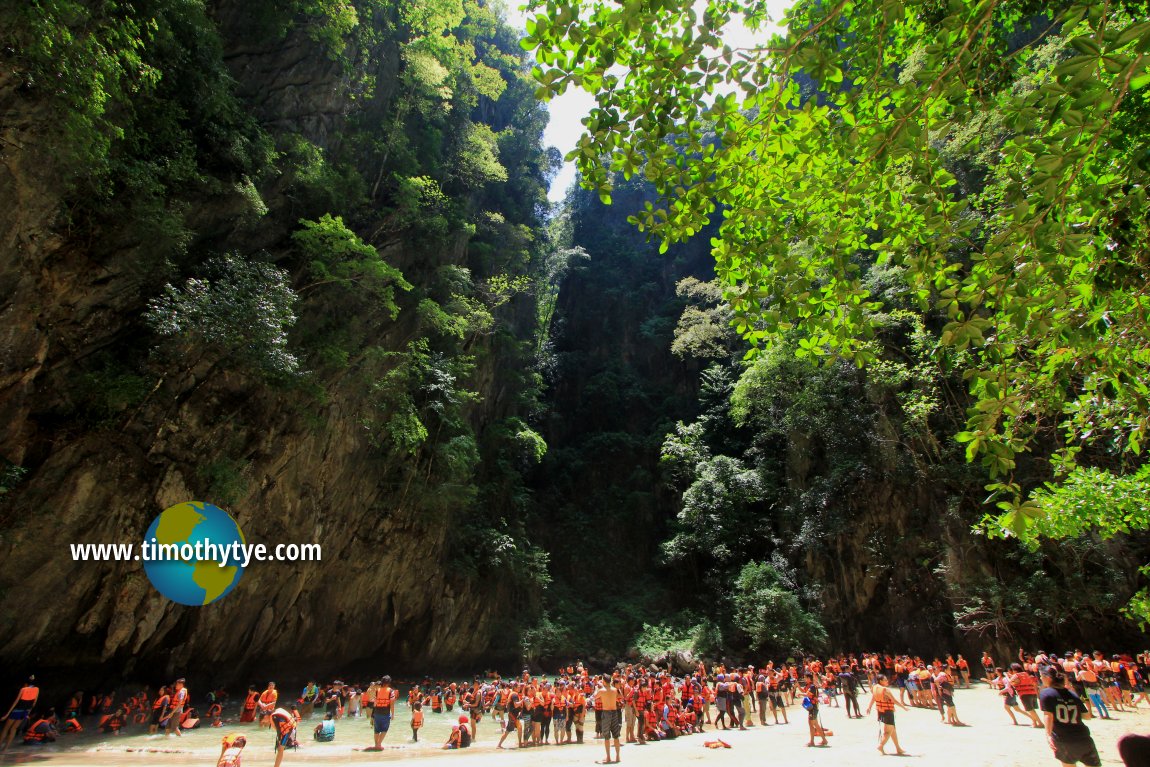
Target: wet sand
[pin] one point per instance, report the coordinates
(989, 740)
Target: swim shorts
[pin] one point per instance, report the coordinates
(382, 723)
(1074, 751)
(611, 724)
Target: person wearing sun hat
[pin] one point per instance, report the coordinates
(460, 736)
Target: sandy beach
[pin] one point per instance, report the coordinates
(990, 739)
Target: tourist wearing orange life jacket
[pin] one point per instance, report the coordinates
(266, 704)
(42, 730)
(107, 708)
(181, 696)
(1026, 687)
(114, 722)
(416, 721)
(231, 750)
(19, 711)
(963, 670)
(385, 697)
(284, 726)
(159, 710)
(75, 706)
(248, 710)
(884, 702)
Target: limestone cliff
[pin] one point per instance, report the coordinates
(100, 431)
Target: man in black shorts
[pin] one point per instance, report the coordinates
(1064, 711)
(612, 722)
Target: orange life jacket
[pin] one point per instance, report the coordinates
(416, 719)
(1025, 684)
(38, 732)
(385, 698)
(885, 702)
(284, 722)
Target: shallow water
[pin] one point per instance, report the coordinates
(202, 745)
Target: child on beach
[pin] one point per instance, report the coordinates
(416, 721)
(230, 750)
(811, 704)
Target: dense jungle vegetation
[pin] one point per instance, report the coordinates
(928, 222)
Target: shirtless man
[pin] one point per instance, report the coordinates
(608, 697)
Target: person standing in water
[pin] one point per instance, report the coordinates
(176, 707)
(267, 704)
(382, 712)
(283, 724)
(608, 699)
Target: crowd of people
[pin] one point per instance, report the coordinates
(641, 704)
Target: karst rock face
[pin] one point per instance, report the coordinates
(384, 595)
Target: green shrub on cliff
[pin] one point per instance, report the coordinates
(337, 256)
(240, 310)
